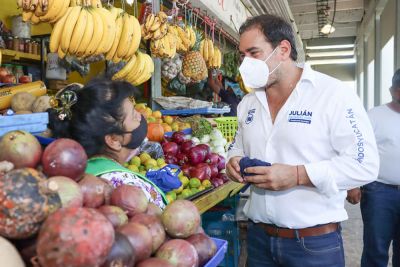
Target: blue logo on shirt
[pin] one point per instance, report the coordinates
(300, 116)
(250, 116)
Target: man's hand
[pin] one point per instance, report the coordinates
(354, 196)
(233, 170)
(214, 83)
(278, 177)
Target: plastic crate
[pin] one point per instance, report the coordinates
(222, 247)
(221, 223)
(200, 111)
(33, 123)
(228, 126)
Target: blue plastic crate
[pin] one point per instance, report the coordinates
(222, 225)
(33, 123)
(185, 131)
(44, 140)
(195, 111)
(222, 247)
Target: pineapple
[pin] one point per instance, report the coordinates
(193, 65)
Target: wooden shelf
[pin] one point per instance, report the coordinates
(17, 55)
(209, 200)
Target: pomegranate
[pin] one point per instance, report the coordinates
(204, 246)
(181, 218)
(20, 148)
(130, 198)
(79, 237)
(25, 202)
(69, 191)
(179, 252)
(153, 209)
(121, 254)
(64, 157)
(140, 238)
(153, 223)
(114, 214)
(94, 190)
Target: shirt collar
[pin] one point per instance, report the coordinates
(308, 73)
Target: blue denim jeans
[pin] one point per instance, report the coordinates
(380, 210)
(316, 251)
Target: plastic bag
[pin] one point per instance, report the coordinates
(165, 178)
(154, 149)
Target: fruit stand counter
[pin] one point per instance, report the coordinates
(212, 198)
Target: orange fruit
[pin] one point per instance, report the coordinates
(157, 114)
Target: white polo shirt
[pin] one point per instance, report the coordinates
(323, 126)
(386, 125)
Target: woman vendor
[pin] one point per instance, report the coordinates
(101, 117)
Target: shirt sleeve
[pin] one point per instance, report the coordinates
(236, 148)
(357, 160)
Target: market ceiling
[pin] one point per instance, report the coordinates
(309, 16)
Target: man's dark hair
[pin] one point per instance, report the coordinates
(396, 80)
(275, 30)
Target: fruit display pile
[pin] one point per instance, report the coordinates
(56, 215)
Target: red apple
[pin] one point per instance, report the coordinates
(24, 79)
(9, 78)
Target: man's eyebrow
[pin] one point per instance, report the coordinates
(250, 49)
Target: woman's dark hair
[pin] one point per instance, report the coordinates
(275, 30)
(97, 112)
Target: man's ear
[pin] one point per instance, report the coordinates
(113, 142)
(285, 49)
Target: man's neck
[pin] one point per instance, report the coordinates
(284, 87)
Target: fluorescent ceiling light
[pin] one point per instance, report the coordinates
(331, 53)
(327, 29)
(332, 61)
(320, 47)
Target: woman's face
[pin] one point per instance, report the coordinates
(132, 117)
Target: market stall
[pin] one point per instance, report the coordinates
(167, 49)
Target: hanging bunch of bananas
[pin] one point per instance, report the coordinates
(242, 86)
(155, 26)
(191, 34)
(216, 61)
(127, 37)
(183, 41)
(164, 47)
(37, 11)
(207, 49)
(137, 70)
(86, 31)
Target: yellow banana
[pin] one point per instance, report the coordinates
(78, 32)
(118, 32)
(57, 32)
(35, 19)
(97, 33)
(61, 12)
(87, 35)
(126, 36)
(26, 16)
(39, 10)
(55, 7)
(149, 21)
(69, 27)
(60, 53)
(205, 50)
(96, 3)
(138, 67)
(137, 36)
(155, 25)
(163, 17)
(108, 29)
(210, 49)
(126, 69)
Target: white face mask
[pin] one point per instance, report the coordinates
(255, 72)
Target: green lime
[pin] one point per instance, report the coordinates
(135, 161)
(194, 182)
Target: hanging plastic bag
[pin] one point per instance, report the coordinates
(154, 149)
(165, 178)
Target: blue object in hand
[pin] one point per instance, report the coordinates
(248, 162)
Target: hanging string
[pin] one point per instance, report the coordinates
(135, 9)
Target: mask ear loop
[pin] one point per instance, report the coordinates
(270, 55)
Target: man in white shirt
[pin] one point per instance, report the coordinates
(380, 200)
(319, 140)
